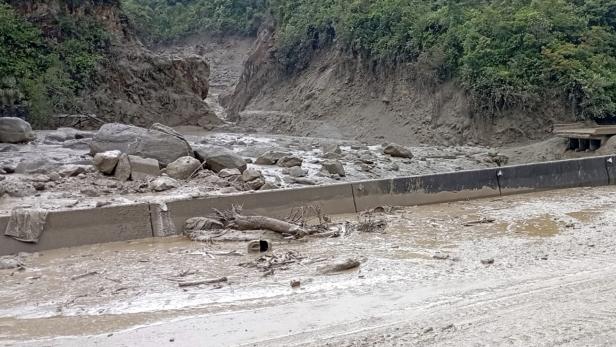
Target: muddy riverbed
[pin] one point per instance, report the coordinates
(42, 187)
(527, 270)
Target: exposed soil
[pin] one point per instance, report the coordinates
(342, 96)
(538, 270)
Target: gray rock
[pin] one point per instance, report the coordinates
(333, 167)
(183, 168)
(106, 162)
(15, 130)
(159, 142)
(17, 189)
(297, 171)
(290, 161)
(268, 186)
(398, 151)
(251, 175)
(270, 158)
(71, 170)
(123, 169)
(37, 165)
(218, 158)
(330, 148)
(10, 262)
(163, 183)
(256, 184)
(8, 148)
(142, 169)
(226, 173)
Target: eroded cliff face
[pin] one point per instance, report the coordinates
(345, 96)
(132, 84)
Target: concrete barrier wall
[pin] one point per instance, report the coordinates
(80, 227)
(554, 175)
(430, 189)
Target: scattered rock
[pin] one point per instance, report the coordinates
(295, 283)
(440, 256)
(8, 148)
(38, 186)
(488, 261)
(297, 171)
(268, 186)
(270, 158)
(18, 189)
(38, 165)
(71, 170)
(10, 262)
(106, 162)
(123, 169)
(163, 183)
(398, 151)
(333, 167)
(143, 168)
(256, 184)
(330, 148)
(339, 266)
(183, 168)
(15, 130)
(290, 161)
(228, 173)
(159, 142)
(219, 158)
(251, 175)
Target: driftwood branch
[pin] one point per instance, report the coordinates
(201, 282)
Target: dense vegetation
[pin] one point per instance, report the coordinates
(505, 53)
(47, 73)
(165, 20)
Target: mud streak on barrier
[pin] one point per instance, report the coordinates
(353, 194)
(498, 175)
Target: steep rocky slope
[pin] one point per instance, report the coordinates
(131, 84)
(340, 95)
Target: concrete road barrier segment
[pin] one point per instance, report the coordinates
(333, 199)
(82, 227)
(119, 223)
(429, 189)
(554, 175)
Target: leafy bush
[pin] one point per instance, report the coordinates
(49, 71)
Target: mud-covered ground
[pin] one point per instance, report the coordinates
(44, 188)
(534, 269)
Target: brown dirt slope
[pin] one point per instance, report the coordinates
(343, 96)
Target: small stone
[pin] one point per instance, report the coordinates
(71, 170)
(398, 151)
(295, 283)
(297, 171)
(290, 161)
(251, 175)
(39, 186)
(333, 167)
(270, 158)
(182, 168)
(163, 183)
(226, 173)
(440, 256)
(488, 261)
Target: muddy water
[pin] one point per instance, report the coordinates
(80, 296)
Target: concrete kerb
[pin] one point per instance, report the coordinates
(87, 226)
(429, 189)
(610, 164)
(554, 175)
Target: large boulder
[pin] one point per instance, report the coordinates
(290, 161)
(15, 130)
(183, 168)
(218, 158)
(159, 142)
(106, 162)
(398, 151)
(333, 167)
